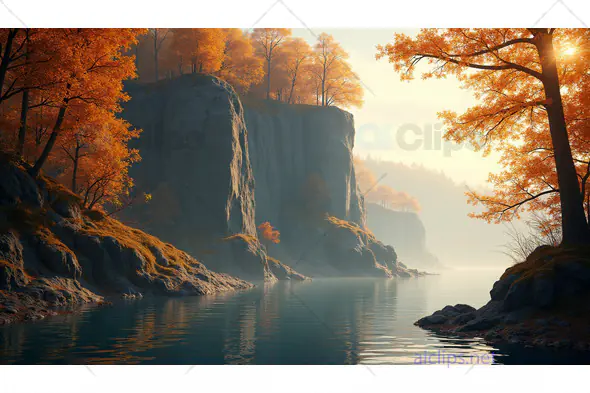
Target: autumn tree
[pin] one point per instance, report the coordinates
(518, 76)
(196, 50)
(336, 80)
(70, 81)
(158, 37)
(23, 71)
(298, 54)
(240, 66)
(98, 160)
(91, 77)
(267, 42)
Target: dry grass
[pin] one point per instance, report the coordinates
(143, 243)
(544, 261)
(250, 239)
(352, 227)
(60, 192)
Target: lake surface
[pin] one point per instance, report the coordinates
(327, 321)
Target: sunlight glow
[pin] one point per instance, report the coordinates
(570, 50)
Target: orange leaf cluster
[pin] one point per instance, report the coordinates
(503, 69)
(61, 90)
(269, 233)
(267, 63)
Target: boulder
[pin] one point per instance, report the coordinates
(434, 319)
(501, 287)
(16, 186)
(479, 323)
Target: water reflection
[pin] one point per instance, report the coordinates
(344, 321)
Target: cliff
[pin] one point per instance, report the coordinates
(196, 164)
(53, 253)
(218, 169)
(405, 232)
(302, 159)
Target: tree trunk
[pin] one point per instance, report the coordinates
(51, 142)
(22, 130)
(324, 85)
(75, 170)
(268, 77)
(573, 218)
(156, 71)
(293, 81)
(6, 57)
(291, 92)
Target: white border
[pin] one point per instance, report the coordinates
(297, 13)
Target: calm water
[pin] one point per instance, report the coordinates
(329, 321)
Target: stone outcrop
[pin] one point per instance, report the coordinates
(53, 253)
(196, 164)
(217, 168)
(542, 301)
(405, 232)
(302, 162)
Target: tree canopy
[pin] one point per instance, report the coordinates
(265, 63)
(531, 87)
(61, 90)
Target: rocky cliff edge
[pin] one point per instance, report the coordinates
(55, 254)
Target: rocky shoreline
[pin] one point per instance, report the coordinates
(543, 302)
(55, 255)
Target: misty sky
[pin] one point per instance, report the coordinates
(395, 113)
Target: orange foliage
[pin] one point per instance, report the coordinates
(195, 50)
(527, 81)
(240, 67)
(337, 83)
(60, 95)
(269, 233)
(267, 43)
(267, 63)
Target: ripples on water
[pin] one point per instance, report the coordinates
(330, 321)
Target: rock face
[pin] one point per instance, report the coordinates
(302, 159)
(216, 171)
(537, 302)
(405, 232)
(196, 164)
(55, 254)
(194, 150)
